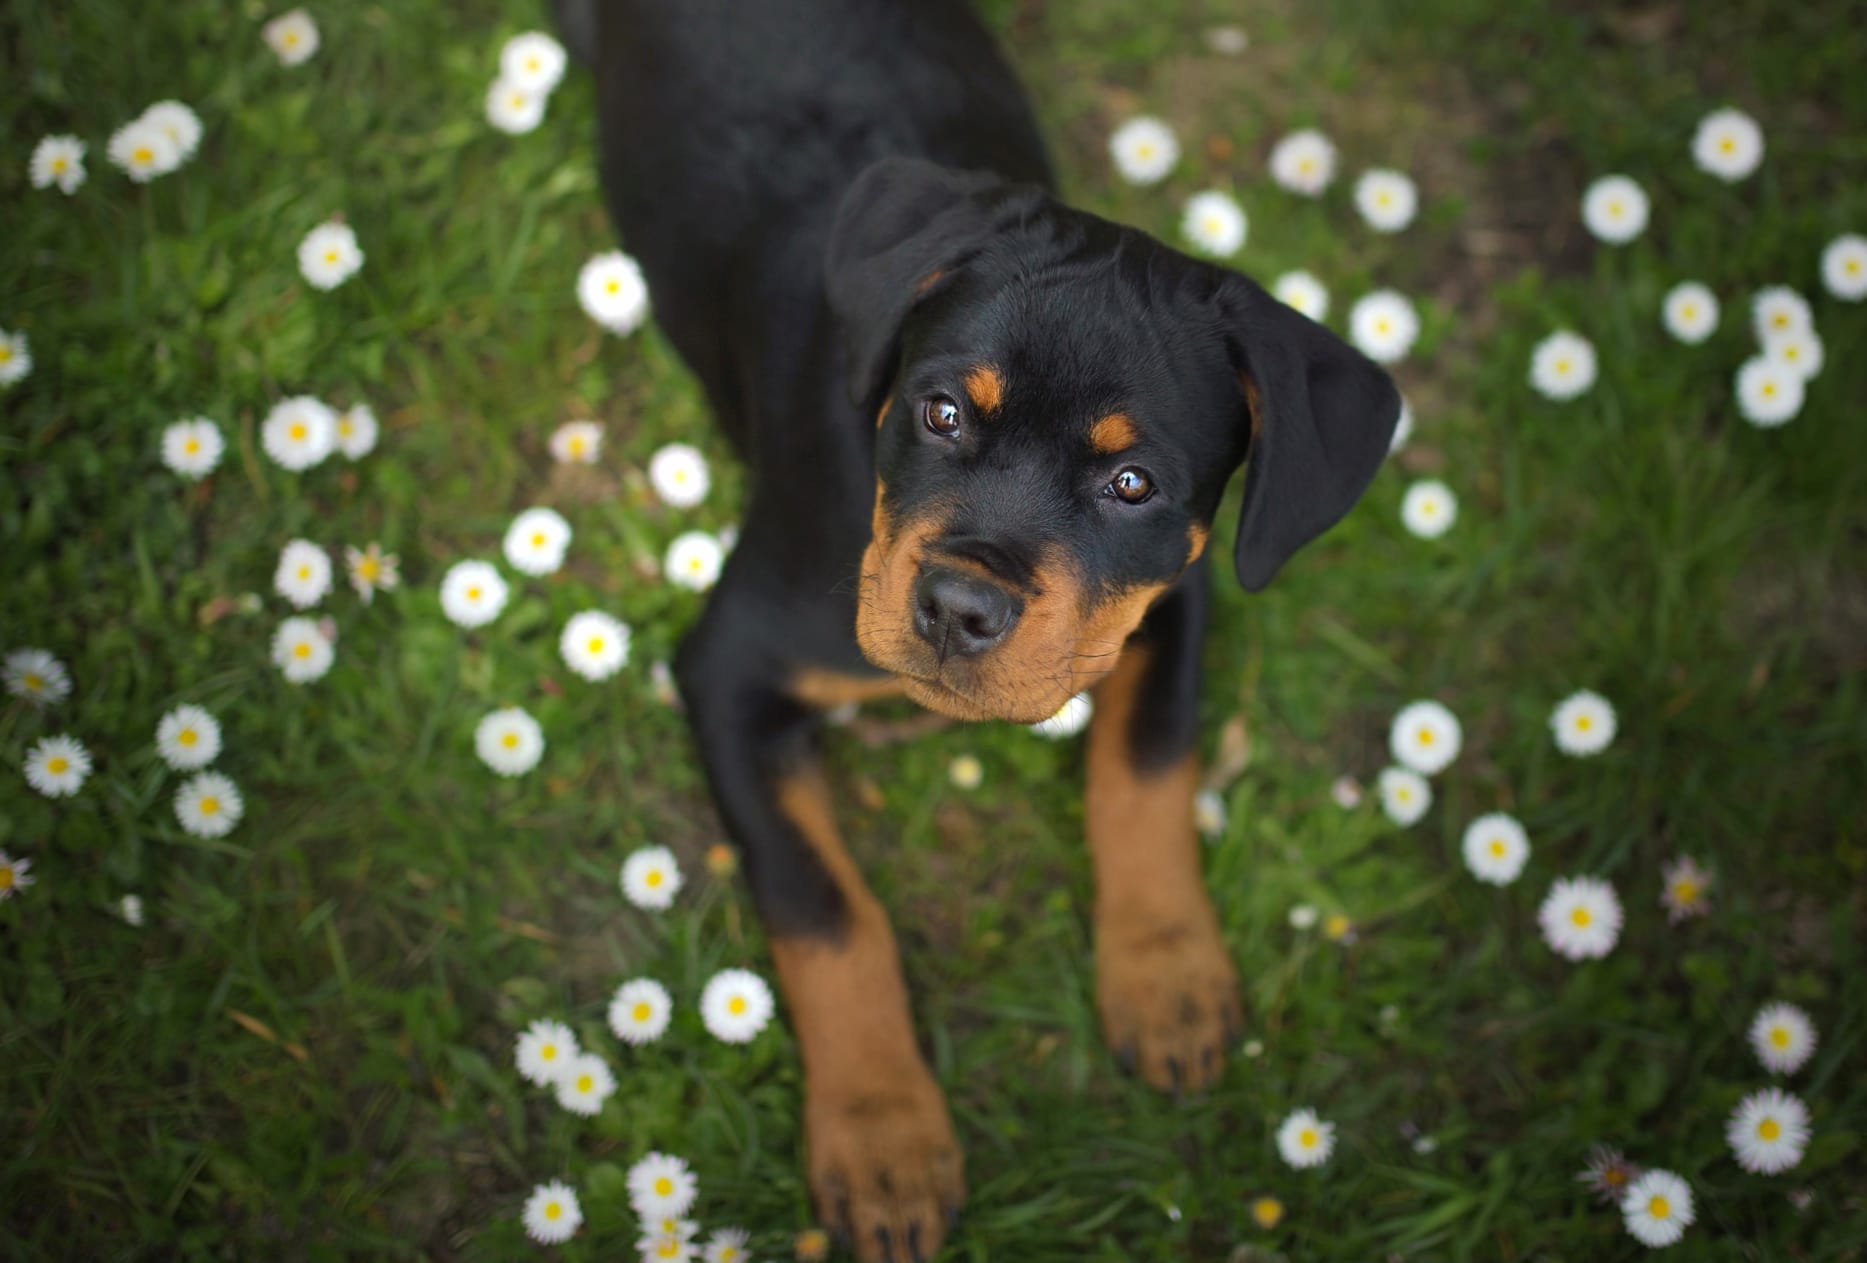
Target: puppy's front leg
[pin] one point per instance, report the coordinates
(1166, 988)
(884, 1166)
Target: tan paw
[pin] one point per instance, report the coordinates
(1168, 998)
(885, 1169)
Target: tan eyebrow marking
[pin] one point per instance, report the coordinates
(1196, 535)
(883, 414)
(985, 387)
(1114, 433)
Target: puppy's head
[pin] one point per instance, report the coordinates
(1059, 404)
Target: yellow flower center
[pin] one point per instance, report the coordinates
(1614, 1177)
(728, 1254)
(664, 1187)
(1769, 388)
(302, 649)
(576, 446)
(596, 645)
(210, 805)
(613, 286)
(1382, 326)
(1562, 366)
(1426, 734)
(192, 446)
(330, 256)
(1213, 225)
(1780, 320)
(1583, 723)
(34, 682)
(368, 569)
(1685, 891)
(585, 1083)
(57, 765)
(1144, 152)
(1852, 267)
(531, 63)
(1403, 795)
(6, 877)
(298, 432)
(510, 741)
(1306, 166)
(186, 737)
(518, 100)
(1727, 145)
(473, 594)
(59, 165)
(1779, 1037)
(736, 1006)
(1769, 1129)
(670, 1248)
(1689, 312)
(553, 1210)
(142, 156)
(289, 39)
(1307, 1138)
(1268, 1212)
(1497, 848)
(652, 879)
(304, 572)
(1582, 917)
(1659, 1207)
(1383, 199)
(344, 428)
(642, 1011)
(538, 539)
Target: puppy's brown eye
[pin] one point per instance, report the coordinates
(941, 415)
(1131, 486)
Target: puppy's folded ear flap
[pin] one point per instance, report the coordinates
(902, 229)
(1321, 416)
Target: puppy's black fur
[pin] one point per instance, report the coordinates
(988, 435)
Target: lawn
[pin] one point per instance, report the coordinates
(306, 1049)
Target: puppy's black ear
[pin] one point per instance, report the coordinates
(904, 227)
(1321, 416)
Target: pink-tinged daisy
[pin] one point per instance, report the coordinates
(552, 1213)
(577, 442)
(57, 161)
(1581, 918)
(1657, 1208)
(1608, 1174)
(35, 676)
(292, 36)
(1144, 149)
(1685, 889)
(371, 570)
(1768, 1131)
(1783, 1037)
(662, 1186)
(57, 766)
(15, 876)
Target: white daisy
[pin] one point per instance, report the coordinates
(1403, 428)
(15, 876)
(1209, 813)
(329, 255)
(613, 292)
(1144, 150)
(293, 36)
(1583, 723)
(1426, 737)
(1387, 199)
(577, 442)
(552, 1213)
(661, 1186)
(1769, 393)
(57, 160)
(693, 561)
(1305, 1140)
(299, 432)
(1345, 790)
(15, 357)
(594, 644)
(1496, 848)
(57, 766)
(1798, 350)
(1071, 718)
(736, 1005)
(662, 1247)
(509, 741)
(209, 805)
(1690, 312)
(727, 1245)
(1383, 325)
(640, 1010)
(1562, 366)
(1615, 209)
(1844, 266)
(1728, 144)
(472, 593)
(679, 475)
(1657, 1208)
(1581, 918)
(533, 60)
(514, 108)
(304, 574)
(143, 151)
(372, 570)
(1228, 41)
(1428, 509)
(188, 738)
(1783, 1037)
(357, 431)
(585, 1084)
(302, 651)
(544, 1049)
(1405, 795)
(1779, 309)
(192, 448)
(1304, 162)
(1215, 223)
(1685, 889)
(35, 676)
(130, 908)
(1301, 290)
(966, 772)
(1303, 916)
(182, 124)
(1768, 1131)
(672, 1226)
(651, 877)
(536, 541)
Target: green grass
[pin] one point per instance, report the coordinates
(307, 1051)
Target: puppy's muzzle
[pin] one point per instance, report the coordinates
(962, 615)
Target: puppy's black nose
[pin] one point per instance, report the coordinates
(961, 615)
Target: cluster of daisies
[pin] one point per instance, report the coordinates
(207, 804)
(735, 1006)
(531, 66)
(1770, 387)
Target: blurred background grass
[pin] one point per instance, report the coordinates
(307, 1051)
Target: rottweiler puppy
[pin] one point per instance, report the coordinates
(988, 434)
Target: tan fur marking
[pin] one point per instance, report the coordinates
(1114, 433)
(883, 414)
(1196, 537)
(985, 386)
(928, 281)
(826, 690)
